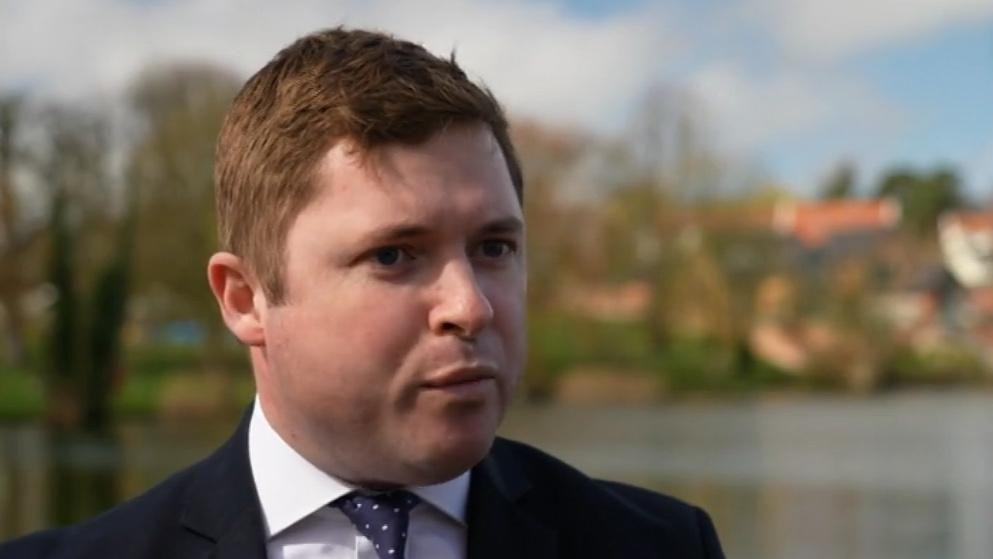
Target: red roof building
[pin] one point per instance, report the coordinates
(814, 224)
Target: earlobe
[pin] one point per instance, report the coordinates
(239, 297)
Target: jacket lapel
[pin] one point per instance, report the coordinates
(499, 524)
(243, 540)
(221, 504)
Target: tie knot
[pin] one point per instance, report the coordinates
(396, 501)
(382, 518)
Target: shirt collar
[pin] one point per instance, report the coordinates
(449, 497)
(283, 504)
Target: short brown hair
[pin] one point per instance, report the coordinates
(338, 84)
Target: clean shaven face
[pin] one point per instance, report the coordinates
(401, 339)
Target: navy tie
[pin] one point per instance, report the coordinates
(382, 518)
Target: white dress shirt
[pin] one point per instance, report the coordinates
(295, 494)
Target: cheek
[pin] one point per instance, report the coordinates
(508, 289)
(365, 327)
(509, 309)
(339, 354)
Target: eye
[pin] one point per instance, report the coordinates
(496, 248)
(390, 256)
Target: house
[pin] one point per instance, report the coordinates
(966, 239)
(817, 224)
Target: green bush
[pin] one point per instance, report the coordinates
(560, 343)
(22, 395)
(151, 368)
(139, 396)
(939, 366)
(155, 360)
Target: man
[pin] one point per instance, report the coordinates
(369, 208)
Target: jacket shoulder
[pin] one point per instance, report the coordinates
(38, 544)
(692, 522)
(616, 510)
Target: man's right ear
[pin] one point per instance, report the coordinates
(238, 296)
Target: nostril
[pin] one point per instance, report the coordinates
(458, 330)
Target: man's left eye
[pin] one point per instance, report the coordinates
(496, 249)
(391, 256)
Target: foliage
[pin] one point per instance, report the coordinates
(559, 343)
(139, 395)
(63, 344)
(840, 183)
(21, 394)
(107, 323)
(955, 364)
(158, 360)
(161, 359)
(94, 225)
(923, 196)
(153, 370)
(170, 170)
(126, 250)
(19, 233)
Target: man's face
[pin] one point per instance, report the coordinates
(401, 338)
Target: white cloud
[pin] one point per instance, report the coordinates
(820, 29)
(757, 111)
(539, 61)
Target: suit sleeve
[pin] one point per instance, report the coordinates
(708, 536)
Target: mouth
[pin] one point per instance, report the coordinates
(462, 376)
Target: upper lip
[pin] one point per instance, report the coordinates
(461, 374)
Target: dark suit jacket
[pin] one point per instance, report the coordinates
(522, 504)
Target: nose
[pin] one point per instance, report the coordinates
(461, 307)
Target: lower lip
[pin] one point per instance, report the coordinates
(474, 388)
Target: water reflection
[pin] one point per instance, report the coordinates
(56, 478)
(83, 475)
(908, 476)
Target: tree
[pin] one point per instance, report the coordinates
(922, 196)
(76, 168)
(19, 234)
(840, 183)
(546, 155)
(678, 174)
(180, 108)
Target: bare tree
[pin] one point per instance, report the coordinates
(18, 234)
(75, 167)
(180, 109)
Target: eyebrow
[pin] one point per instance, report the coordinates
(504, 225)
(407, 230)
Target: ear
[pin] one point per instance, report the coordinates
(239, 297)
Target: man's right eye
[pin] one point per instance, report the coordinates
(390, 256)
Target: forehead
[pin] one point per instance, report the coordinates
(458, 175)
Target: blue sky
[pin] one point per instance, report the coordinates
(793, 86)
(941, 86)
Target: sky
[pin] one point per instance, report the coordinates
(793, 86)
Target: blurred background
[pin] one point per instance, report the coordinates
(760, 244)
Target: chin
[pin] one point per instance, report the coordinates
(452, 455)
(456, 463)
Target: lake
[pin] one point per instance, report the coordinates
(906, 476)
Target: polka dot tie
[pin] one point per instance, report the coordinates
(382, 518)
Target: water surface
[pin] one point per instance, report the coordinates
(906, 476)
